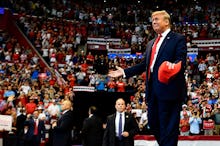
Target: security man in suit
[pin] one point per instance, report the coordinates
(92, 130)
(121, 127)
(63, 126)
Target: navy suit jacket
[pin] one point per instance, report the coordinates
(172, 49)
(62, 132)
(130, 126)
(92, 131)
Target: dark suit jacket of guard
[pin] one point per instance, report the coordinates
(62, 132)
(92, 131)
(20, 124)
(130, 126)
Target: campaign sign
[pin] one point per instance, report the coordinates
(5, 122)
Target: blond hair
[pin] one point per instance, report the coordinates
(164, 13)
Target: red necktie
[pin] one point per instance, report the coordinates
(153, 52)
(35, 127)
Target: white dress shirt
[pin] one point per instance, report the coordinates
(163, 35)
(117, 122)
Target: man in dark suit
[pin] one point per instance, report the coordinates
(63, 126)
(34, 131)
(92, 130)
(20, 127)
(165, 81)
(121, 127)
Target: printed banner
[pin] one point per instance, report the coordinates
(5, 122)
(84, 88)
(208, 124)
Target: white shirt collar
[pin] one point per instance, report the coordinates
(164, 34)
(118, 113)
(64, 111)
(90, 115)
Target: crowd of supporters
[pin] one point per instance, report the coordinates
(25, 86)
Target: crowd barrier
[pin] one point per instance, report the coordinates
(199, 140)
(149, 140)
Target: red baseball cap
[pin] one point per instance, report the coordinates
(165, 74)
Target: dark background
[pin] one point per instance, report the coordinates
(104, 101)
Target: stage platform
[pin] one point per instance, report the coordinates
(201, 140)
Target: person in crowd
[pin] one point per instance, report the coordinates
(165, 81)
(30, 106)
(34, 130)
(202, 68)
(53, 109)
(90, 58)
(100, 83)
(121, 127)
(194, 122)
(63, 126)
(210, 59)
(120, 84)
(25, 87)
(195, 85)
(9, 93)
(216, 115)
(42, 115)
(184, 111)
(92, 130)
(111, 85)
(184, 124)
(80, 77)
(208, 123)
(143, 122)
(130, 86)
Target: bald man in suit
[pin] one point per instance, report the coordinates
(129, 128)
(164, 63)
(63, 126)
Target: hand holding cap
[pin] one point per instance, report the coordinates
(168, 70)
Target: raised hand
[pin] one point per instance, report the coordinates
(116, 73)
